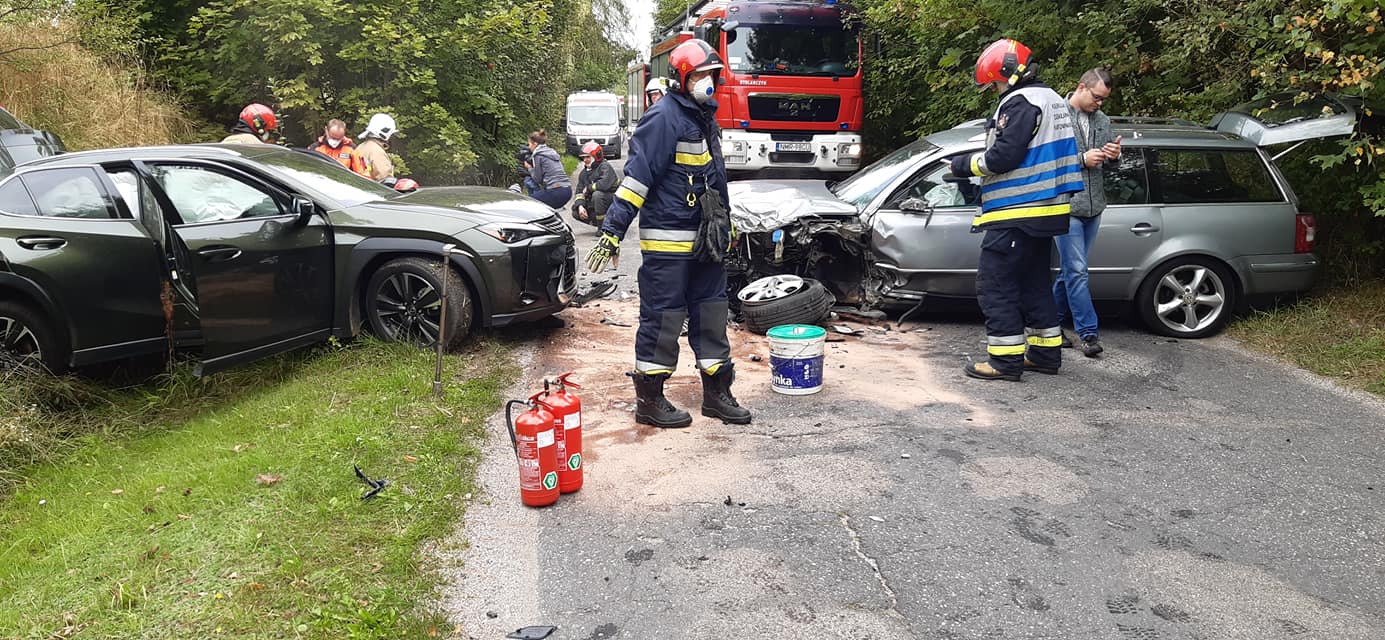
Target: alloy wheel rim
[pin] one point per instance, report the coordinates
(770, 288)
(409, 308)
(1189, 298)
(17, 342)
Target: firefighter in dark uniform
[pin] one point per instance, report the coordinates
(1029, 170)
(674, 177)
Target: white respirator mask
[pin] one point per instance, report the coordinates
(703, 89)
(334, 142)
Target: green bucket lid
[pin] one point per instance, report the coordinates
(797, 332)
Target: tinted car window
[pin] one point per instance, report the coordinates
(930, 187)
(202, 195)
(68, 193)
(14, 199)
(8, 121)
(1223, 175)
(1127, 182)
(139, 199)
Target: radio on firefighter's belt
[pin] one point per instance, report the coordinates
(714, 234)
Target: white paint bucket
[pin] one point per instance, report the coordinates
(796, 354)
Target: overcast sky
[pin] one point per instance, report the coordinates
(641, 23)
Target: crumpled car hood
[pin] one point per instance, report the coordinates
(765, 205)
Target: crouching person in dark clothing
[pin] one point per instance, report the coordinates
(596, 186)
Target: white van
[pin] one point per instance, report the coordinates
(594, 115)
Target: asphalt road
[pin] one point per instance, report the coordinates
(1170, 489)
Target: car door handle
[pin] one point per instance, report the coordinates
(39, 243)
(1143, 228)
(219, 254)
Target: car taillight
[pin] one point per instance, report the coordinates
(1305, 233)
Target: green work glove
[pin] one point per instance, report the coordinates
(607, 249)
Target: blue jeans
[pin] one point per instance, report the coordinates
(1070, 290)
(556, 198)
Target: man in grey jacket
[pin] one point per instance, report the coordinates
(1098, 147)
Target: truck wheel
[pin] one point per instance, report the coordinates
(775, 300)
(27, 340)
(404, 303)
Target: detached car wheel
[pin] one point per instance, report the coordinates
(769, 302)
(1188, 297)
(404, 303)
(28, 341)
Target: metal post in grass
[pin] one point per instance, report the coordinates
(442, 321)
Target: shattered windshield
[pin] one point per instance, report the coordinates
(864, 185)
(795, 50)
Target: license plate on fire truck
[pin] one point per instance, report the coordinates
(793, 146)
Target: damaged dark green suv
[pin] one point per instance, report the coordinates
(237, 252)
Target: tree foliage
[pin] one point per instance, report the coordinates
(465, 79)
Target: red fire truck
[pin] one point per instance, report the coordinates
(791, 91)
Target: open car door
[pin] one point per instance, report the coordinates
(1279, 120)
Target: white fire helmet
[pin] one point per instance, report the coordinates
(659, 84)
(381, 126)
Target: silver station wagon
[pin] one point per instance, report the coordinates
(1199, 220)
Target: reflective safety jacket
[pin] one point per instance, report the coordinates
(675, 157)
(1031, 164)
(345, 154)
(376, 159)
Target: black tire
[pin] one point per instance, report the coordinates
(393, 317)
(809, 305)
(28, 339)
(1214, 281)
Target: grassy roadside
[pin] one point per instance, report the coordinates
(242, 517)
(1338, 333)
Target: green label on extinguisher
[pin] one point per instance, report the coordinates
(574, 461)
(550, 480)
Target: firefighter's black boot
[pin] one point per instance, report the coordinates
(651, 407)
(717, 401)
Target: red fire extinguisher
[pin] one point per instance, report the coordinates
(533, 439)
(567, 429)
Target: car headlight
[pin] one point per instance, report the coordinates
(510, 233)
(850, 149)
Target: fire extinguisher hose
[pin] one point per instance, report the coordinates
(510, 423)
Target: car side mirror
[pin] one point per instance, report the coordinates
(305, 209)
(915, 205)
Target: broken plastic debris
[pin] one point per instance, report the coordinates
(535, 632)
(376, 486)
(877, 518)
(844, 329)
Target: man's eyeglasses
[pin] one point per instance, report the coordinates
(1098, 98)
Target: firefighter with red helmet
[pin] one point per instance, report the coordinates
(596, 186)
(675, 179)
(256, 124)
(1028, 171)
